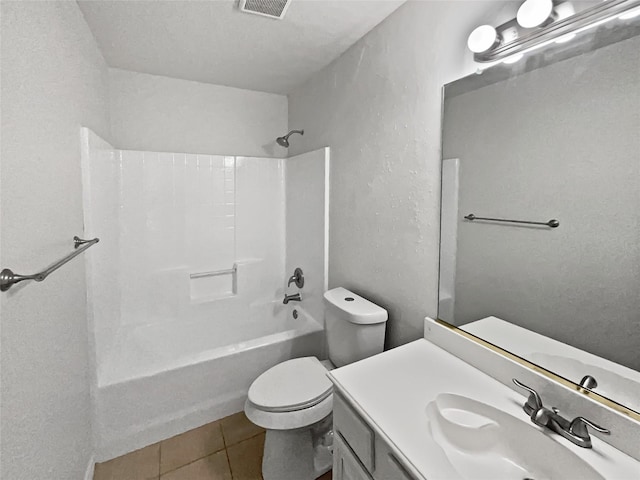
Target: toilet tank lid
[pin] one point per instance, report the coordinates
(355, 308)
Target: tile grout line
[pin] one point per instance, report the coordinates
(225, 449)
(211, 454)
(238, 443)
(226, 453)
(244, 440)
(224, 438)
(161, 450)
(192, 461)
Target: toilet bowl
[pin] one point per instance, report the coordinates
(293, 400)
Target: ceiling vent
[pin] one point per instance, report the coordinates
(266, 8)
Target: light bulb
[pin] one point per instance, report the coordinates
(482, 39)
(533, 13)
(564, 10)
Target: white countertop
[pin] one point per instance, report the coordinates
(392, 390)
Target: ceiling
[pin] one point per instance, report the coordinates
(212, 41)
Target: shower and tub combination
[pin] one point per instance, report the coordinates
(186, 294)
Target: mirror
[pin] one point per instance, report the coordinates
(555, 137)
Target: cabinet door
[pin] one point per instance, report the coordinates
(387, 465)
(345, 464)
(354, 431)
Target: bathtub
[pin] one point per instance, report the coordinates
(165, 378)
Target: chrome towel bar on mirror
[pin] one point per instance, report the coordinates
(553, 223)
(8, 278)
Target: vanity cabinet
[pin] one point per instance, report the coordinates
(358, 453)
(346, 465)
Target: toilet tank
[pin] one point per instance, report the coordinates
(355, 326)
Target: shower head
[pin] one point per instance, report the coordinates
(284, 141)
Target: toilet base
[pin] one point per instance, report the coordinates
(301, 454)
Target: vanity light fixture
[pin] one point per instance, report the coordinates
(633, 13)
(564, 10)
(513, 58)
(566, 38)
(543, 22)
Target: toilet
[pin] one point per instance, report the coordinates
(293, 400)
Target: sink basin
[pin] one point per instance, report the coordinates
(482, 442)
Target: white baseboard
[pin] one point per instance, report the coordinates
(88, 474)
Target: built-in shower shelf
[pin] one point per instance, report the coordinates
(213, 285)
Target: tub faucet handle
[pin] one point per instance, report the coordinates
(297, 278)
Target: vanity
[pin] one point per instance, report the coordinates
(419, 412)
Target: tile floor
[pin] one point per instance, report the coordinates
(228, 449)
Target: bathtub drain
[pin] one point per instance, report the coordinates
(295, 314)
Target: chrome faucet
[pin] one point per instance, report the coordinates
(575, 430)
(291, 298)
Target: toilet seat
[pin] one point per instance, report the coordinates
(293, 385)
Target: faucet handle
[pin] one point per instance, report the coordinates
(297, 278)
(534, 402)
(588, 382)
(578, 427)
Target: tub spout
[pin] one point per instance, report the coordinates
(291, 298)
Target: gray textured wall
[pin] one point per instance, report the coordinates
(162, 114)
(54, 80)
(560, 142)
(378, 107)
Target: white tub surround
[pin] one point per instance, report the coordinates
(185, 297)
(391, 392)
(166, 223)
(307, 225)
